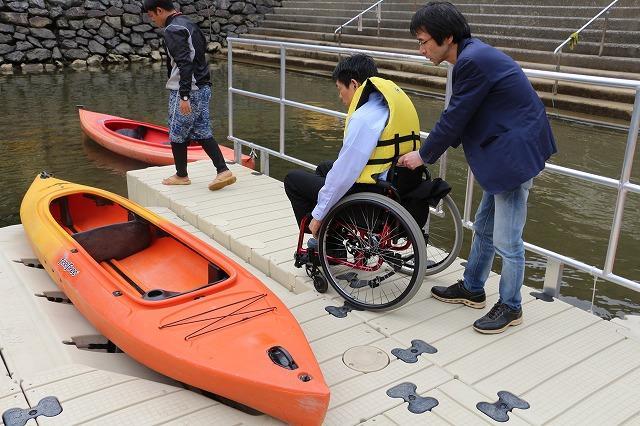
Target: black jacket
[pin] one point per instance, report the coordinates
(185, 45)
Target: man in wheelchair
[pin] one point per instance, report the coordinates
(381, 125)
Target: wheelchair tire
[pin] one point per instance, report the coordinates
(363, 243)
(444, 236)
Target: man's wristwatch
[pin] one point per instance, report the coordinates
(185, 98)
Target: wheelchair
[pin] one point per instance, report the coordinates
(374, 252)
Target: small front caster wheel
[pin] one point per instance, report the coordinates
(320, 283)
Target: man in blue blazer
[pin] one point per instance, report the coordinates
(503, 128)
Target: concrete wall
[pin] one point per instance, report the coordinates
(38, 35)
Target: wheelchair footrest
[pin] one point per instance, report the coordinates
(300, 259)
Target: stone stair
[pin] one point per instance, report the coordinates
(529, 33)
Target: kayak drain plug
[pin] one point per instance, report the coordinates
(304, 377)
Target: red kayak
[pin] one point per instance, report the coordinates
(141, 141)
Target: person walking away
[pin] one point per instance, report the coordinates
(189, 87)
(501, 123)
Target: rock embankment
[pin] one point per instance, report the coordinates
(38, 35)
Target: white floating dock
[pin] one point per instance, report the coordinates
(570, 366)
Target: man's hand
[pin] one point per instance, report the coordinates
(314, 226)
(185, 107)
(411, 160)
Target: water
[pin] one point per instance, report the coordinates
(40, 131)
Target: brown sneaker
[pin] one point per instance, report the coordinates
(176, 180)
(222, 179)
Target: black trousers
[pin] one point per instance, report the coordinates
(210, 146)
(302, 188)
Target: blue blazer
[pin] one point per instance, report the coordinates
(497, 117)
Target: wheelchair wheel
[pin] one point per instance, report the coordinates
(364, 244)
(443, 234)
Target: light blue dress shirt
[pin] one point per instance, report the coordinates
(361, 137)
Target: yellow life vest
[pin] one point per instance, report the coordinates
(402, 132)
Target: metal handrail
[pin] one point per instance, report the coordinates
(377, 5)
(604, 31)
(555, 261)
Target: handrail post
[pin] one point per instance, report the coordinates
(449, 87)
(442, 173)
(554, 92)
(604, 32)
(379, 16)
(553, 277)
(468, 197)
(283, 64)
(632, 139)
(237, 148)
(264, 163)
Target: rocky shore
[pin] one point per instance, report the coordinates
(42, 35)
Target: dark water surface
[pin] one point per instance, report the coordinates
(39, 130)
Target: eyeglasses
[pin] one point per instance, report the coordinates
(423, 42)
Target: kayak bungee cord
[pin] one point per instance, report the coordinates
(216, 319)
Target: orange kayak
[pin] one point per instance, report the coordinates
(142, 141)
(172, 302)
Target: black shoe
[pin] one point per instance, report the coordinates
(312, 244)
(498, 319)
(458, 294)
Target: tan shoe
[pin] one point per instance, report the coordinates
(176, 180)
(222, 179)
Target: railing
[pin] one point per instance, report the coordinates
(573, 39)
(377, 6)
(574, 36)
(555, 261)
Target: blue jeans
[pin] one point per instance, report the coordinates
(498, 229)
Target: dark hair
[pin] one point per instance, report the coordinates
(358, 67)
(441, 19)
(148, 5)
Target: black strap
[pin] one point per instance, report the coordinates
(396, 141)
(396, 146)
(380, 161)
(399, 139)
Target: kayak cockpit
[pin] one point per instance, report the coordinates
(138, 131)
(133, 251)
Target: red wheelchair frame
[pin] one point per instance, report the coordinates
(309, 258)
